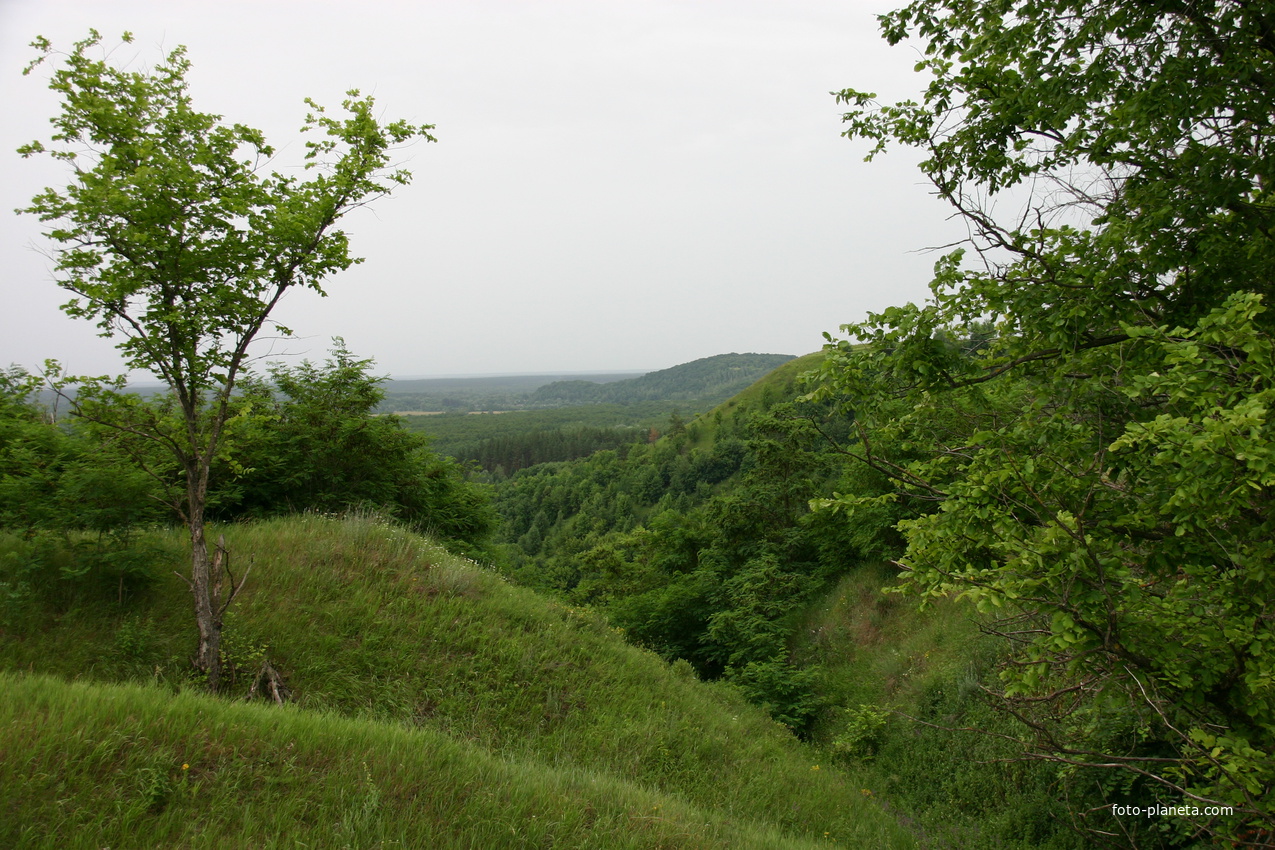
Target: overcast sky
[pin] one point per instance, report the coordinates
(616, 186)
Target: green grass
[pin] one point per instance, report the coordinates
(376, 625)
(90, 765)
(884, 660)
(878, 647)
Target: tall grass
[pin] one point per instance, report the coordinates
(370, 622)
(906, 684)
(90, 765)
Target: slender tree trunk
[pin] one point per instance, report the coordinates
(205, 584)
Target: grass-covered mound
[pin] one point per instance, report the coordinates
(374, 623)
(93, 765)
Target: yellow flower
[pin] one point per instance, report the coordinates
(816, 767)
(185, 767)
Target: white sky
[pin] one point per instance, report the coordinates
(618, 185)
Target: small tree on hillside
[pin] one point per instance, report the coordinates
(172, 238)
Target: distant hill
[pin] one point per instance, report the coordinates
(710, 378)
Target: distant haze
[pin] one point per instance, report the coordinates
(618, 186)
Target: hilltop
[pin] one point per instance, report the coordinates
(709, 378)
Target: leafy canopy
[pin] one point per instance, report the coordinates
(1081, 409)
(172, 235)
(315, 443)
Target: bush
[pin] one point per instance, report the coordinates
(311, 442)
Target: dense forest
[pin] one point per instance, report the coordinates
(996, 567)
(565, 420)
(474, 393)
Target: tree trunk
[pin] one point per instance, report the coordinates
(205, 585)
(205, 573)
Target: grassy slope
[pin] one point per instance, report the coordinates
(959, 788)
(91, 765)
(375, 624)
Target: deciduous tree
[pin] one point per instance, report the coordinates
(319, 445)
(174, 238)
(1083, 404)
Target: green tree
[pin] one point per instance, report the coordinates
(1082, 414)
(173, 238)
(315, 444)
(55, 476)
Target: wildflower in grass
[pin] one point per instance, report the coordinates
(185, 767)
(816, 767)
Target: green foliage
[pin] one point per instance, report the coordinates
(602, 416)
(314, 444)
(860, 733)
(1080, 422)
(65, 571)
(703, 552)
(465, 435)
(58, 477)
(785, 691)
(135, 640)
(905, 705)
(506, 455)
(169, 205)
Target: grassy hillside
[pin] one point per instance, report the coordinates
(377, 625)
(902, 686)
(512, 719)
(90, 765)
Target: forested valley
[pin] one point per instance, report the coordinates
(992, 570)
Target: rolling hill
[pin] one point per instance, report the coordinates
(435, 705)
(710, 378)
